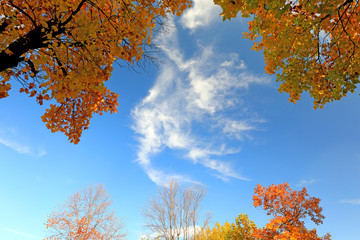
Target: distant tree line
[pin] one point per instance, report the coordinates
(174, 214)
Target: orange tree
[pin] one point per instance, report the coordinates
(312, 45)
(290, 208)
(85, 216)
(64, 50)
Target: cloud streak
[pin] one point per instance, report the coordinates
(351, 201)
(193, 95)
(306, 182)
(22, 234)
(21, 148)
(201, 14)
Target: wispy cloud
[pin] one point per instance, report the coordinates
(22, 149)
(189, 96)
(306, 182)
(22, 234)
(351, 201)
(201, 14)
(7, 136)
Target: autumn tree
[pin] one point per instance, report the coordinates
(174, 213)
(86, 216)
(311, 45)
(242, 229)
(289, 209)
(64, 50)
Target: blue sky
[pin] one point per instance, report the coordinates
(207, 114)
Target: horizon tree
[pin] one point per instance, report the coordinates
(86, 215)
(173, 214)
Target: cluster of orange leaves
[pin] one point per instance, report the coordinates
(312, 45)
(64, 51)
(289, 209)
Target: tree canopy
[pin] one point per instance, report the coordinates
(289, 209)
(64, 50)
(311, 45)
(241, 229)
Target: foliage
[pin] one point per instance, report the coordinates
(174, 212)
(312, 45)
(218, 232)
(289, 208)
(85, 216)
(242, 229)
(64, 50)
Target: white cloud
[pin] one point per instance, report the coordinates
(160, 177)
(22, 234)
(306, 182)
(201, 14)
(351, 201)
(233, 61)
(239, 129)
(22, 148)
(189, 95)
(11, 138)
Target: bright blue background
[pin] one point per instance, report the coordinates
(293, 143)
